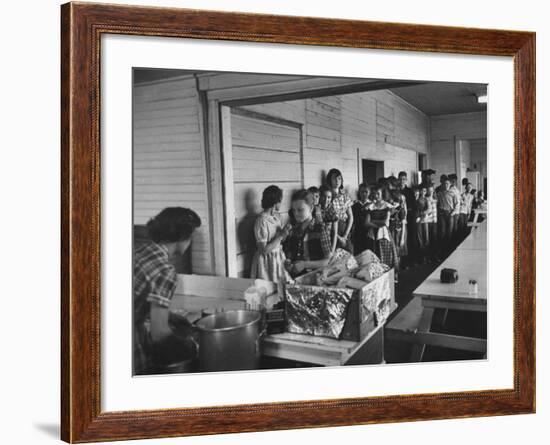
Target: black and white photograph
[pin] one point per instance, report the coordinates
(291, 221)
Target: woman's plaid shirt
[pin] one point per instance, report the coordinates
(310, 243)
(155, 279)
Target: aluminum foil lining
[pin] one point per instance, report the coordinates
(316, 310)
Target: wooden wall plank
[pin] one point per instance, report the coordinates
(461, 125)
(251, 132)
(324, 123)
(169, 165)
(445, 129)
(256, 164)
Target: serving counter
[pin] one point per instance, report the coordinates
(197, 294)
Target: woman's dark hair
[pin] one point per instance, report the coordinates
(272, 195)
(303, 195)
(173, 224)
(392, 180)
(334, 173)
(313, 189)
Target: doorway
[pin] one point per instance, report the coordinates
(372, 171)
(422, 165)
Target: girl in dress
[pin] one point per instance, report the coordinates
(269, 259)
(341, 204)
(378, 220)
(328, 216)
(361, 241)
(398, 224)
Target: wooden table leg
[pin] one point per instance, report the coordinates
(440, 316)
(424, 326)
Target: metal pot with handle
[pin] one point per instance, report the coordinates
(229, 341)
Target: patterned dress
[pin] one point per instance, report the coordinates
(268, 266)
(383, 242)
(398, 224)
(360, 238)
(340, 204)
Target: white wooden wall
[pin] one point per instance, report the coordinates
(461, 125)
(263, 153)
(169, 165)
(478, 159)
(464, 146)
(339, 130)
(444, 129)
(335, 132)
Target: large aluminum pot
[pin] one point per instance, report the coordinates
(229, 341)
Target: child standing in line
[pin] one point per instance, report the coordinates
(341, 203)
(422, 235)
(478, 202)
(466, 199)
(316, 195)
(360, 238)
(377, 221)
(432, 222)
(398, 226)
(269, 259)
(447, 202)
(328, 216)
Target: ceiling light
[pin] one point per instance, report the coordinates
(482, 99)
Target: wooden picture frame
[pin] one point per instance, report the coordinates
(82, 26)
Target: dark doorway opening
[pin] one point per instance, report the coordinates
(422, 162)
(372, 171)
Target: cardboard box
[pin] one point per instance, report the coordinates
(368, 307)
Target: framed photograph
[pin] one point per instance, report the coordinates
(275, 222)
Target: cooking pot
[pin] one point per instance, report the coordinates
(229, 341)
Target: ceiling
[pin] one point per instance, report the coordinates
(151, 74)
(435, 98)
(432, 98)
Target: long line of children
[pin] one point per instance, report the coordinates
(404, 226)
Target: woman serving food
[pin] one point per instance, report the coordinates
(308, 244)
(155, 281)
